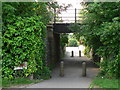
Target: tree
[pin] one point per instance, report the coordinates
(72, 43)
(100, 28)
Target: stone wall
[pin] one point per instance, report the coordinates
(53, 47)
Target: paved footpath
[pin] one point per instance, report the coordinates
(73, 75)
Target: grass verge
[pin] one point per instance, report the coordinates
(103, 82)
(17, 81)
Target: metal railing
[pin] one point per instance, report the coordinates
(70, 16)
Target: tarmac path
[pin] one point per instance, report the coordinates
(73, 75)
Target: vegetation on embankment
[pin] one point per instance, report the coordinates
(23, 39)
(101, 32)
(103, 82)
(17, 82)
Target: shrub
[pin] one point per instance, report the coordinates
(87, 51)
(72, 43)
(23, 40)
(110, 68)
(64, 40)
(23, 35)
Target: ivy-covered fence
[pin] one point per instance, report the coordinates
(23, 40)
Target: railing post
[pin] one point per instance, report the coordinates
(84, 69)
(54, 15)
(72, 54)
(75, 15)
(79, 53)
(61, 68)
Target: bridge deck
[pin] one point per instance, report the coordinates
(61, 27)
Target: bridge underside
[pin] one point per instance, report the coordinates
(54, 50)
(53, 41)
(61, 28)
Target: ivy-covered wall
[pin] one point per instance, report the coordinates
(23, 37)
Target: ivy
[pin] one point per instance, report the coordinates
(109, 36)
(22, 44)
(23, 35)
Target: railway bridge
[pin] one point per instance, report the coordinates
(54, 30)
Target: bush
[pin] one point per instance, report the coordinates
(63, 40)
(23, 41)
(101, 30)
(72, 43)
(87, 51)
(110, 68)
(23, 35)
(63, 43)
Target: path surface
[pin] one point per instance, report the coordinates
(73, 75)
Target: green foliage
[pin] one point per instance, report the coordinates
(110, 68)
(106, 21)
(109, 36)
(87, 51)
(23, 41)
(64, 40)
(24, 33)
(63, 43)
(17, 81)
(23, 9)
(102, 82)
(72, 43)
(101, 30)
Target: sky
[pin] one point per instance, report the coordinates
(70, 13)
(75, 3)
